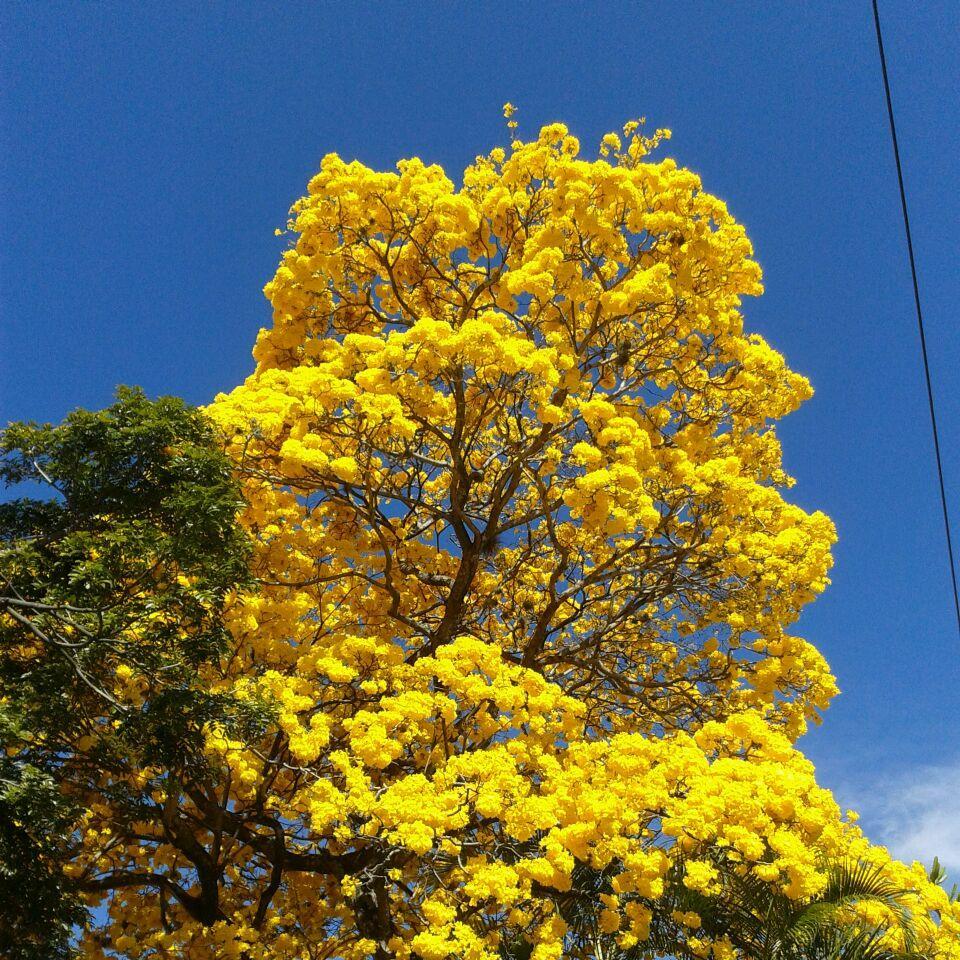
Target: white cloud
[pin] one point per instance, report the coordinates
(915, 813)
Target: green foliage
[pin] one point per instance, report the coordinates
(112, 587)
(35, 819)
(938, 875)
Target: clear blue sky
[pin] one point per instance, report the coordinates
(149, 151)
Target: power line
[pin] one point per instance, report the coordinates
(916, 298)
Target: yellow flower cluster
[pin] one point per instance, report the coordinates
(527, 576)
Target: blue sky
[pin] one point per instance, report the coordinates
(146, 160)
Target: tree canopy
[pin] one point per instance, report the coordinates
(522, 589)
(111, 595)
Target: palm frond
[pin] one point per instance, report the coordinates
(840, 943)
(857, 880)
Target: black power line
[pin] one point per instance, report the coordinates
(916, 298)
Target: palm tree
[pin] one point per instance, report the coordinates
(761, 922)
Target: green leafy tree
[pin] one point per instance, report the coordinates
(37, 909)
(115, 565)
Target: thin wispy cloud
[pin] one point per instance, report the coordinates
(914, 812)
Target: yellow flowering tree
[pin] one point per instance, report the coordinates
(526, 587)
